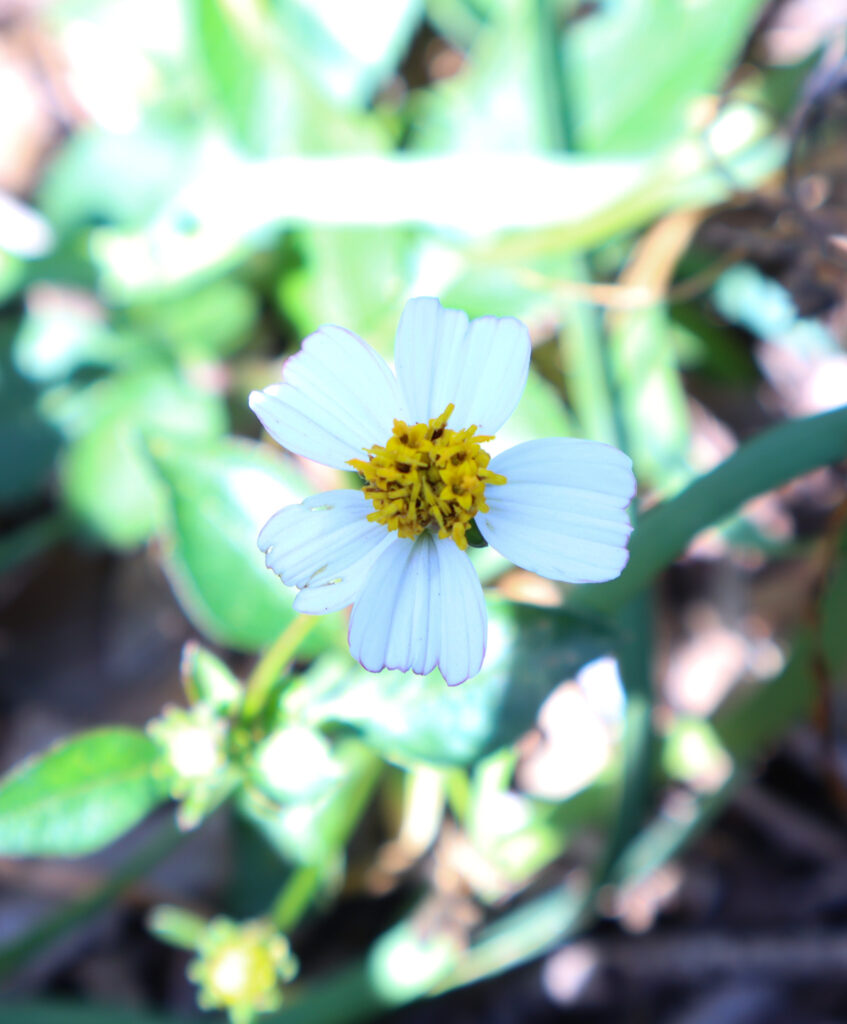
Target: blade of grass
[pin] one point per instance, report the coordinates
(762, 464)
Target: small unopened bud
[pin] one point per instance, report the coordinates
(193, 758)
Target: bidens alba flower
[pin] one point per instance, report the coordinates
(396, 550)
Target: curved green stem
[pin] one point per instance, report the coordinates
(761, 464)
(272, 663)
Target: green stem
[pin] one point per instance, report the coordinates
(272, 663)
(296, 897)
(591, 387)
(635, 624)
(582, 347)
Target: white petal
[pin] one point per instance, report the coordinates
(562, 511)
(325, 545)
(337, 397)
(481, 368)
(422, 606)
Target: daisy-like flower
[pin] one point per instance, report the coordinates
(397, 549)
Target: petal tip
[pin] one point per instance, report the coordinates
(256, 399)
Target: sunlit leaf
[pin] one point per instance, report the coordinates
(347, 54)
(80, 795)
(626, 101)
(350, 276)
(316, 831)
(213, 321)
(239, 76)
(220, 496)
(117, 178)
(417, 718)
(107, 480)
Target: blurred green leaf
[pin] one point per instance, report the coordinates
(761, 464)
(651, 396)
(116, 178)
(28, 443)
(493, 103)
(316, 831)
(495, 291)
(294, 763)
(409, 718)
(633, 69)
(80, 795)
(212, 321)
(548, 205)
(53, 343)
(221, 494)
(541, 412)
(350, 276)
(208, 680)
(106, 477)
(347, 54)
(12, 275)
(233, 54)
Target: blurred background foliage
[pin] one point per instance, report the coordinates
(657, 188)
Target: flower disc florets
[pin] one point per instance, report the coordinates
(428, 475)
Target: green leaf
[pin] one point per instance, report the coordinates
(28, 444)
(540, 413)
(492, 104)
(80, 795)
(415, 718)
(762, 464)
(250, 90)
(652, 398)
(351, 276)
(316, 831)
(208, 680)
(221, 495)
(691, 48)
(53, 344)
(212, 321)
(294, 763)
(117, 178)
(106, 476)
(349, 55)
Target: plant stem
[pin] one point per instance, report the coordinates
(270, 666)
(296, 897)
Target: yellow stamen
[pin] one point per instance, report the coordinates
(428, 474)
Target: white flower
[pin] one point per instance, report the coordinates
(396, 550)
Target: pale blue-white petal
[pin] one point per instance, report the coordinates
(562, 511)
(427, 351)
(422, 607)
(337, 397)
(480, 367)
(325, 546)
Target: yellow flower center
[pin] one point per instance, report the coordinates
(428, 474)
